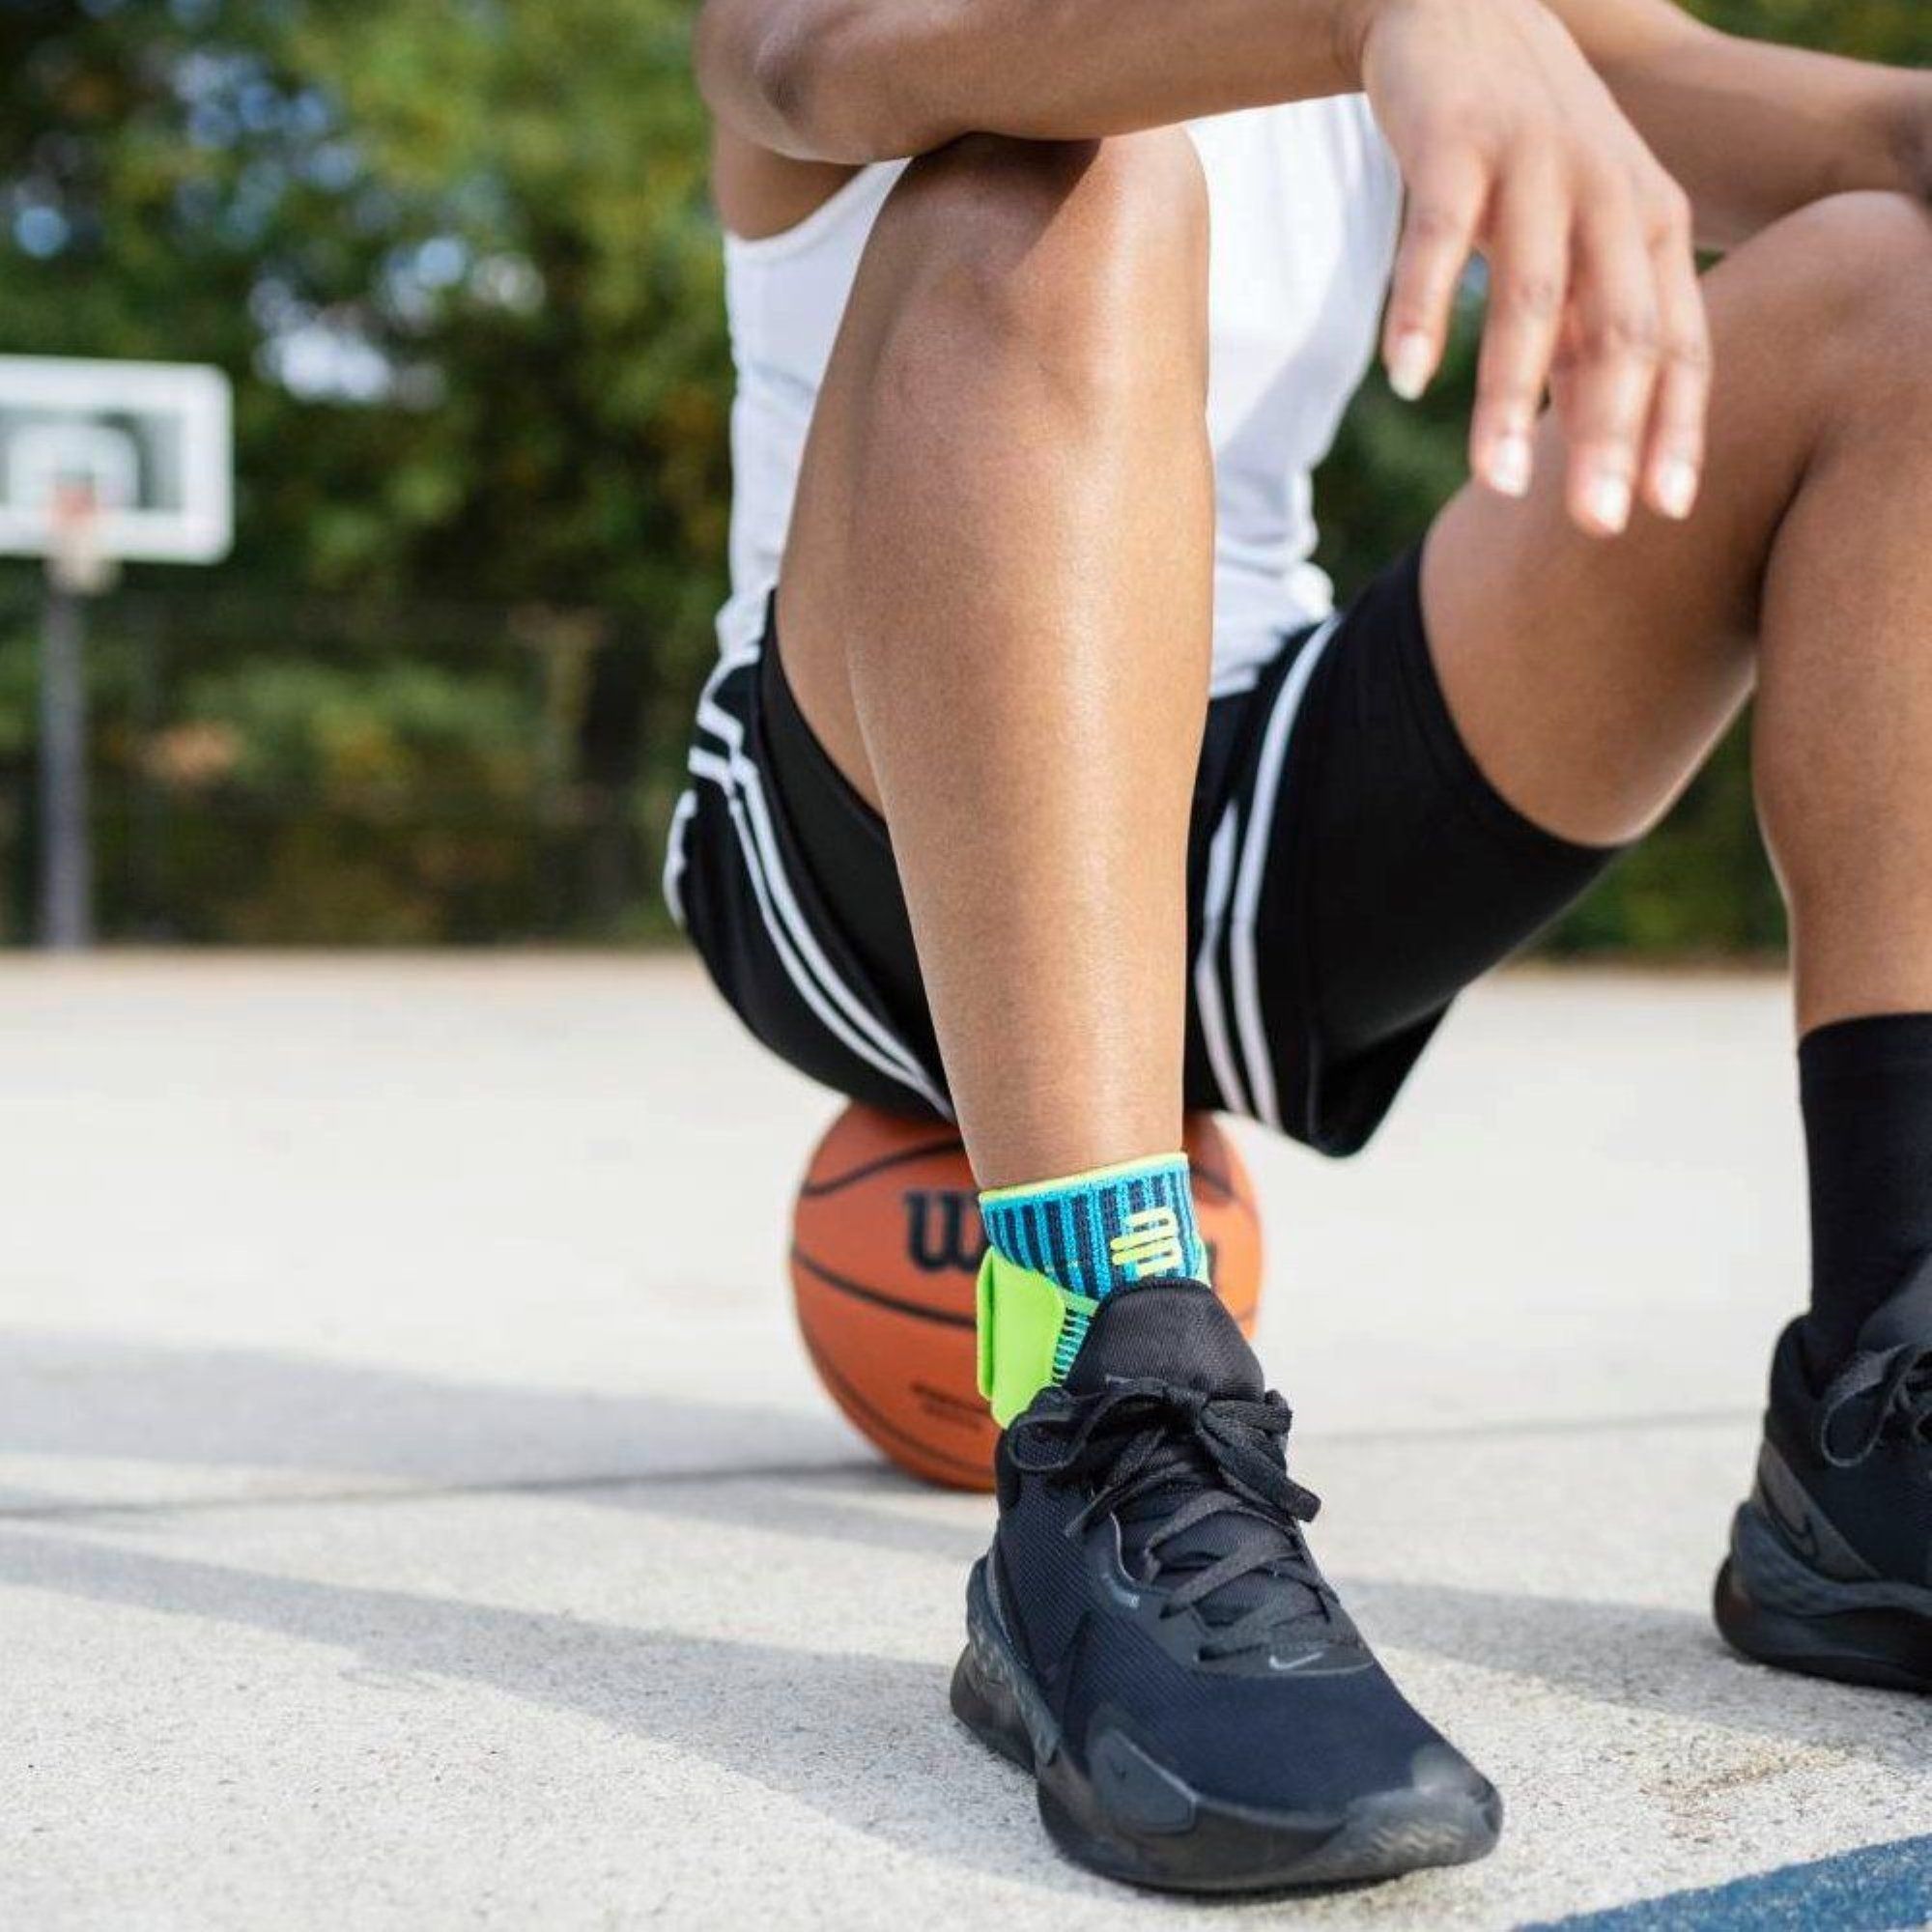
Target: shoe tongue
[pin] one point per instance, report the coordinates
(1905, 1319)
(1171, 1331)
(1180, 1332)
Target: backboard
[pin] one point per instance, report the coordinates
(146, 445)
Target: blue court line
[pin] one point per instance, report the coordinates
(1877, 1889)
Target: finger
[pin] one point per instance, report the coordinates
(1610, 341)
(1439, 231)
(1529, 268)
(1674, 458)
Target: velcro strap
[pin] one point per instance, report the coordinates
(1021, 1315)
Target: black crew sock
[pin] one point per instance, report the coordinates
(1866, 1088)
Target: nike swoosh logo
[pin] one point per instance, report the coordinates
(1292, 1663)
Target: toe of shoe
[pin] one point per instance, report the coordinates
(1137, 1818)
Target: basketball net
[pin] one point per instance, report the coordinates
(79, 561)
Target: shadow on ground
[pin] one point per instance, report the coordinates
(864, 1738)
(865, 1741)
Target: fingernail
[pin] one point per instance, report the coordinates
(1608, 500)
(1410, 363)
(1676, 488)
(1510, 465)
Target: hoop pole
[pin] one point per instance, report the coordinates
(67, 867)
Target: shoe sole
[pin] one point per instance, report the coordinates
(1161, 1834)
(1889, 1649)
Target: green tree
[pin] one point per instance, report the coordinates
(457, 256)
(459, 262)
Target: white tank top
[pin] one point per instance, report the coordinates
(1303, 203)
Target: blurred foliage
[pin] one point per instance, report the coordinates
(276, 769)
(457, 256)
(1885, 30)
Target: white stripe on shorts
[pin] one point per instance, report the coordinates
(673, 871)
(1243, 959)
(1208, 1001)
(818, 983)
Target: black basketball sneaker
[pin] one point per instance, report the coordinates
(1830, 1564)
(1150, 1636)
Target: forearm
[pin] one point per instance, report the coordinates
(861, 81)
(1754, 132)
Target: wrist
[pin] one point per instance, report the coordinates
(1362, 27)
(1351, 25)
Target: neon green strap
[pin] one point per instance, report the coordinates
(1021, 1316)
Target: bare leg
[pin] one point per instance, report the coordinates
(1590, 679)
(995, 614)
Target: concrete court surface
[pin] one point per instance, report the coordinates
(415, 1510)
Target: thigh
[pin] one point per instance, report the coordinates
(1591, 677)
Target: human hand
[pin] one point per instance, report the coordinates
(1510, 144)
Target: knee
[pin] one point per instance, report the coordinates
(1081, 260)
(1858, 267)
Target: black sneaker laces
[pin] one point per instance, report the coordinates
(1164, 1461)
(1886, 1392)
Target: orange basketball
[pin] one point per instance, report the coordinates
(886, 1246)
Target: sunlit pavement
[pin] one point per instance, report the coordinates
(417, 1510)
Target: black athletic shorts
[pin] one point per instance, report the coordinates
(1350, 871)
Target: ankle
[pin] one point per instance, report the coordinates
(1056, 1249)
(1106, 1229)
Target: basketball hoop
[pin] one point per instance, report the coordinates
(78, 562)
(100, 464)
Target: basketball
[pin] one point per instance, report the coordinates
(886, 1248)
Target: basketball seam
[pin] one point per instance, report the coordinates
(1223, 1184)
(844, 1391)
(812, 1189)
(858, 1292)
